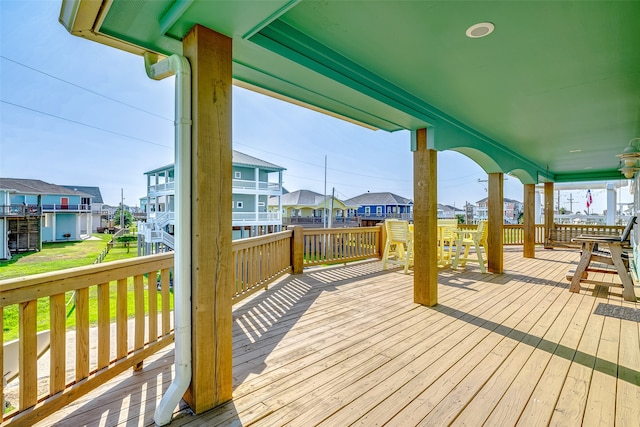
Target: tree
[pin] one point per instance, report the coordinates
(460, 218)
(128, 218)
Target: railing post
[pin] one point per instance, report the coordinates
(297, 248)
(382, 239)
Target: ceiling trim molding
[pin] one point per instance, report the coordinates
(290, 43)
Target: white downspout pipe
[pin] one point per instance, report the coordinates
(179, 66)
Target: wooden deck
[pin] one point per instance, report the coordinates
(346, 346)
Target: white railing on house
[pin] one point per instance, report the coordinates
(255, 185)
(168, 240)
(162, 218)
(157, 188)
(66, 208)
(256, 216)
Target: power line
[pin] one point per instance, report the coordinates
(440, 180)
(84, 124)
(85, 89)
(322, 166)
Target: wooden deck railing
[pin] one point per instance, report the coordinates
(121, 299)
(513, 234)
(562, 234)
(129, 326)
(259, 261)
(335, 245)
(117, 290)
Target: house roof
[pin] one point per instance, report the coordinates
(505, 200)
(238, 159)
(308, 198)
(36, 186)
(550, 94)
(96, 196)
(384, 198)
(302, 198)
(242, 159)
(449, 208)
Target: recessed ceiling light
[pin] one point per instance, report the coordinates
(589, 167)
(480, 30)
(575, 151)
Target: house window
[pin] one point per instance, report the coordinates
(367, 210)
(378, 210)
(237, 174)
(239, 205)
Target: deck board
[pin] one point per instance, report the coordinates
(347, 346)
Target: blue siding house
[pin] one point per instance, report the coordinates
(378, 206)
(35, 211)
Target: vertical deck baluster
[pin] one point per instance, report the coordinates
(331, 240)
(28, 364)
(243, 272)
(247, 269)
(104, 325)
(152, 289)
(82, 333)
(58, 341)
(138, 295)
(255, 266)
(121, 319)
(164, 289)
(236, 269)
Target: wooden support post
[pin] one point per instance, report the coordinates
(297, 248)
(548, 213)
(382, 240)
(210, 56)
(529, 250)
(495, 256)
(425, 219)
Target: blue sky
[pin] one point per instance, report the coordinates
(79, 113)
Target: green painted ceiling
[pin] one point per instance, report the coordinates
(553, 78)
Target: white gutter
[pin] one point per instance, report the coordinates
(179, 66)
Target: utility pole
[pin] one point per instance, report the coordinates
(571, 202)
(333, 192)
(121, 208)
(324, 210)
(466, 212)
(558, 201)
(482, 182)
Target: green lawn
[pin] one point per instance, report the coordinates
(59, 256)
(53, 257)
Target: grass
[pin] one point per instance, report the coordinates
(59, 256)
(53, 257)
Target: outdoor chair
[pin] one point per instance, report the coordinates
(398, 248)
(447, 236)
(468, 238)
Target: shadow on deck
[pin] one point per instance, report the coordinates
(346, 345)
